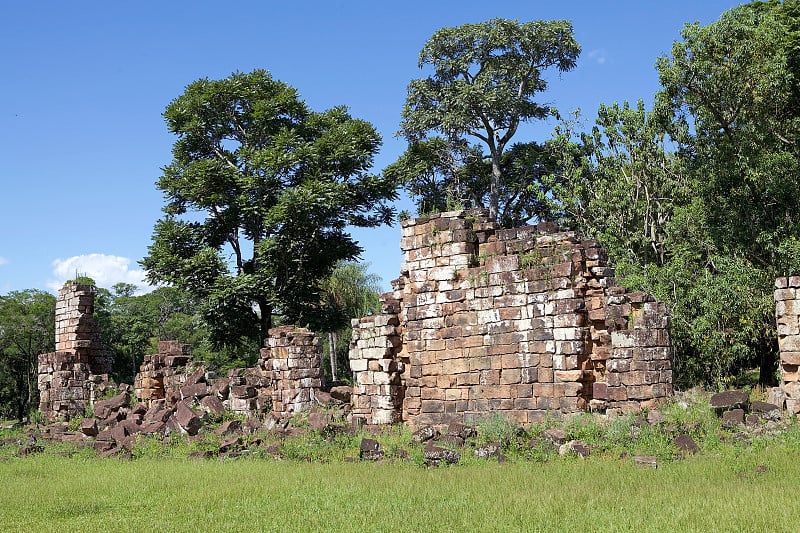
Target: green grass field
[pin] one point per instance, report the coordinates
(724, 492)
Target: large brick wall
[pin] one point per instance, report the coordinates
(520, 321)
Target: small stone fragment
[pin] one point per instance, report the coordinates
(645, 460)
(686, 444)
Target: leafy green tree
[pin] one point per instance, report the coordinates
(734, 82)
(259, 195)
(485, 77)
(696, 201)
(27, 329)
(628, 184)
(132, 325)
(350, 292)
(442, 175)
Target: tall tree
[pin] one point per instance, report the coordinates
(734, 81)
(484, 80)
(27, 329)
(350, 292)
(696, 201)
(259, 195)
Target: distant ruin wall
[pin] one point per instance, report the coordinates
(67, 377)
(519, 321)
(787, 318)
(284, 382)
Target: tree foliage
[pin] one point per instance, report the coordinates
(734, 83)
(697, 200)
(350, 292)
(27, 329)
(485, 77)
(259, 195)
(131, 325)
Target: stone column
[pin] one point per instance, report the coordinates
(787, 318)
(293, 361)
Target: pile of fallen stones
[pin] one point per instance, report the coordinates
(118, 421)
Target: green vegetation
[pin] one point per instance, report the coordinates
(741, 480)
(275, 185)
(349, 292)
(696, 200)
(484, 80)
(711, 493)
(27, 323)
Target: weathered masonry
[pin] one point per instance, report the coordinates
(519, 321)
(284, 382)
(68, 376)
(787, 318)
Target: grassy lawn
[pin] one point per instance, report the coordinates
(722, 492)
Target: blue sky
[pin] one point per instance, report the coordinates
(82, 140)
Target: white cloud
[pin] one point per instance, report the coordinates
(598, 55)
(3, 261)
(105, 270)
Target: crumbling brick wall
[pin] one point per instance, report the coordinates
(67, 377)
(284, 381)
(292, 361)
(787, 318)
(161, 376)
(377, 369)
(518, 321)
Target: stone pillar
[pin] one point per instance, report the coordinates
(375, 346)
(787, 318)
(293, 361)
(64, 385)
(76, 329)
(67, 376)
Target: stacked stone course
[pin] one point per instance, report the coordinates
(292, 361)
(787, 317)
(377, 366)
(161, 376)
(284, 381)
(520, 321)
(69, 377)
(76, 329)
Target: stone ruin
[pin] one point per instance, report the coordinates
(70, 376)
(787, 319)
(285, 381)
(520, 322)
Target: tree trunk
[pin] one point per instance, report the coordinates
(494, 186)
(265, 324)
(768, 368)
(22, 403)
(332, 350)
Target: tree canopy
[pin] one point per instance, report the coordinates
(27, 328)
(696, 200)
(259, 195)
(485, 77)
